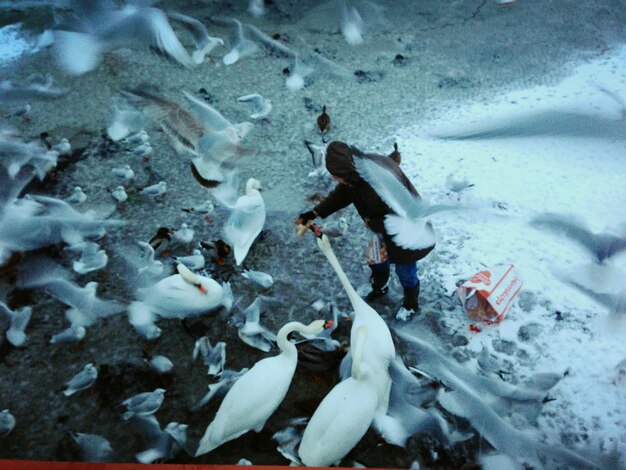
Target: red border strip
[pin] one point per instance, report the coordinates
(45, 465)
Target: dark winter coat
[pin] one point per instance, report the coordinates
(340, 162)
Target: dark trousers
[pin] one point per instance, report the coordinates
(407, 273)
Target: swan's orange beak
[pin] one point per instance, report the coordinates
(201, 288)
(328, 324)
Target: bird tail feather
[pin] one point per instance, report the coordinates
(411, 234)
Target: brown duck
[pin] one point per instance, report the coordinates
(222, 250)
(323, 122)
(163, 235)
(395, 155)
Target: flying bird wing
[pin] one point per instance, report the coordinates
(40, 271)
(194, 26)
(387, 186)
(148, 27)
(210, 116)
(181, 127)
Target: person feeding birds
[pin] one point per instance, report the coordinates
(392, 210)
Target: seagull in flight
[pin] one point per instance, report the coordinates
(408, 224)
(601, 246)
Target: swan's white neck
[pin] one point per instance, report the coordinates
(355, 298)
(357, 352)
(282, 340)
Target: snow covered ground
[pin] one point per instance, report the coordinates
(520, 171)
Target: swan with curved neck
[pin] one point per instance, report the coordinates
(344, 415)
(379, 349)
(186, 294)
(256, 395)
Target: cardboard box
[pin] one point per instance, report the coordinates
(488, 295)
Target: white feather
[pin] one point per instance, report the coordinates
(412, 234)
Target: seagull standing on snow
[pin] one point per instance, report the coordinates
(457, 185)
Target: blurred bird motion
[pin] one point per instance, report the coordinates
(204, 43)
(261, 107)
(243, 47)
(35, 86)
(351, 24)
(97, 27)
(318, 159)
(602, 246)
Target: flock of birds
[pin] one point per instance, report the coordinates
(374, 390)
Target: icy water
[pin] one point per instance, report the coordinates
(417, 57)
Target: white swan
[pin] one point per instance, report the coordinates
(185, 294)
(246, 220)
(256, 395)
(379, 348)
(344, 415)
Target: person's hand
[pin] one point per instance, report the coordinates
(305, 217)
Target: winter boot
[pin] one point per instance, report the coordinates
(379, 281)
(410, 305)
